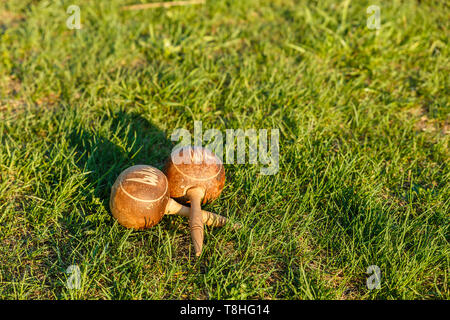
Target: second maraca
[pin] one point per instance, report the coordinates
(195, 176)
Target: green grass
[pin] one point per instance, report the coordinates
(364, 136)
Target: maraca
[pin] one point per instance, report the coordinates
(197, 176)
(140, 198)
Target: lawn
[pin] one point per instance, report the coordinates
(363, 116)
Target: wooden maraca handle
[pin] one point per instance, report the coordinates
(195, 196)
(209, 218)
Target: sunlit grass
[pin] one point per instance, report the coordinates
(363, 119)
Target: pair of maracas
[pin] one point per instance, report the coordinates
(142, 194)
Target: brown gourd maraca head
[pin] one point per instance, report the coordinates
(190, 167)
(139, 197)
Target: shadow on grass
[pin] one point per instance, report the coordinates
(131, 140)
